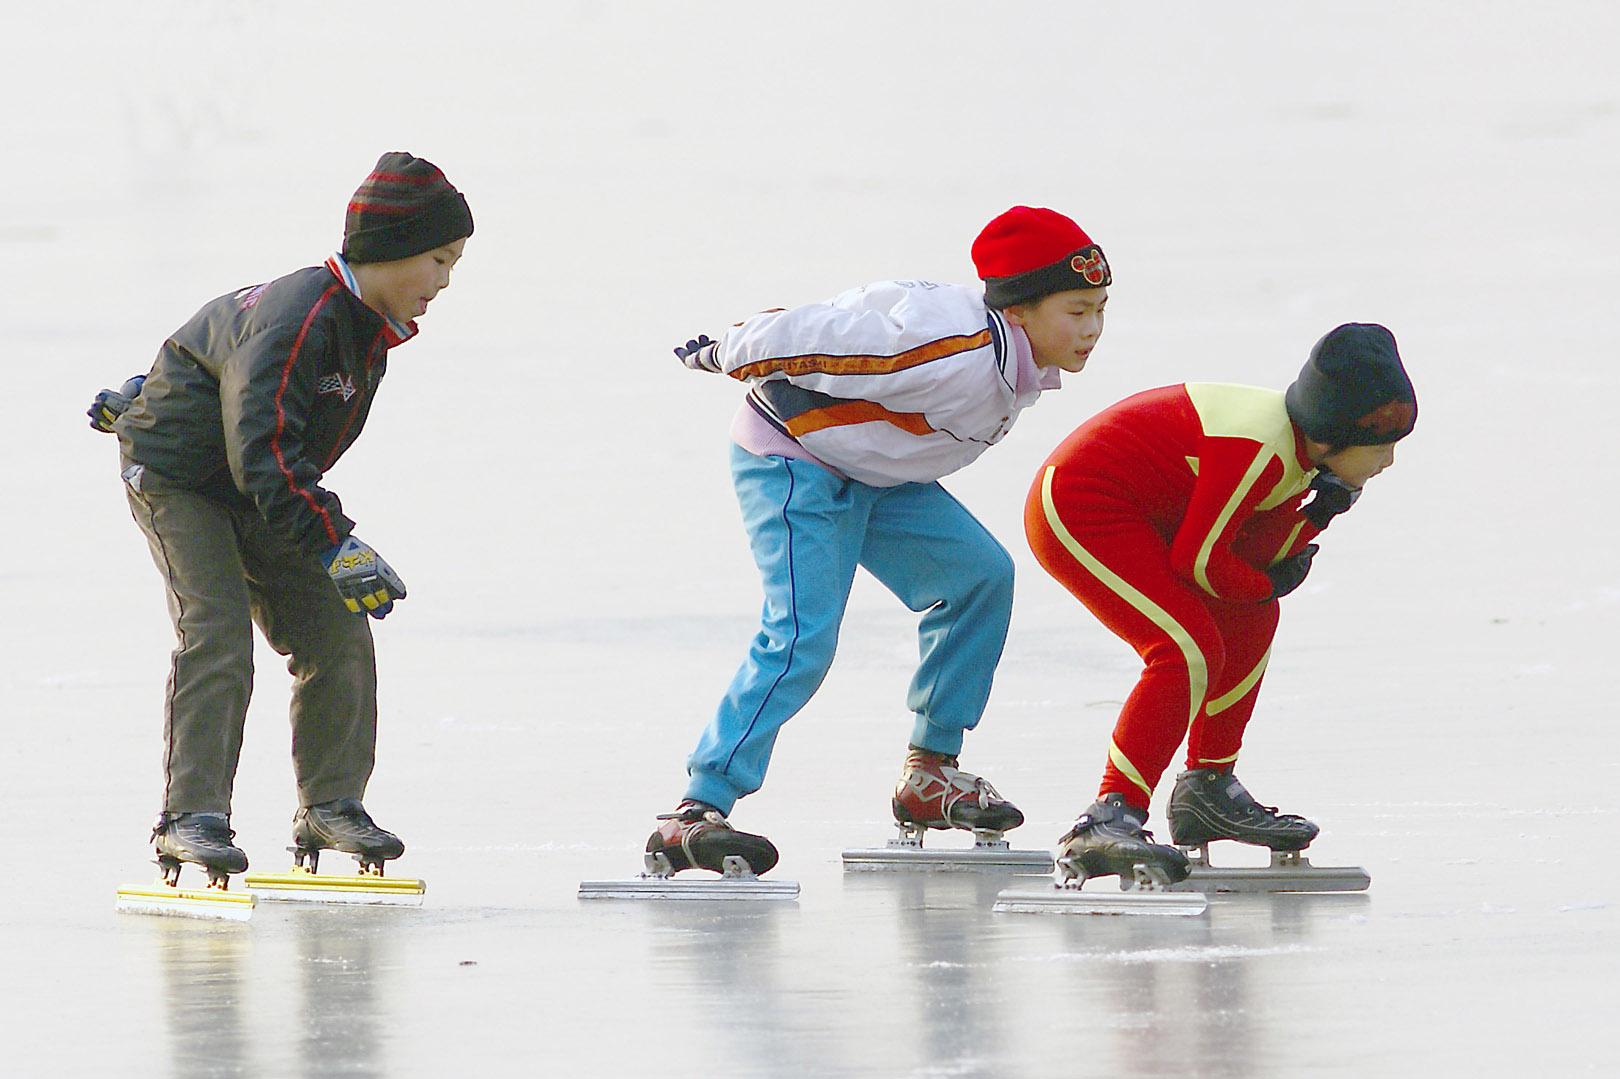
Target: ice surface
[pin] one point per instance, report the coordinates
(553, 487)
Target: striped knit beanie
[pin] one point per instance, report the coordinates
(405, 207)
(1030, 252)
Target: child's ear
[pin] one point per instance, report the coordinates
(1015, 314)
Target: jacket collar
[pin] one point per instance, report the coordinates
(394, 331)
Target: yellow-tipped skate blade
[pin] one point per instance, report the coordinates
(208, 903)
(301, 886)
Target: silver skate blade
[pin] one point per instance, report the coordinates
(298, 885)
(737, 881)
(1002, 859)
(211, 904)
(989, 853)
(1288, 872)
(648, 886)
(1070, 898)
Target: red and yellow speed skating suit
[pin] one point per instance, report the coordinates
(1159, 514)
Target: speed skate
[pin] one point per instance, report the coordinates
(1207, 806)
(1289, 871)
(736, 881)
(304, 883)
(989, 853)
(214, 902)
(203, 840)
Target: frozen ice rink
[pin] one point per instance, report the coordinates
(553, 486)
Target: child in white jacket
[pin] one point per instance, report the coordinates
(858, 407)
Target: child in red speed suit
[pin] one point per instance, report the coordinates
(1179, 517)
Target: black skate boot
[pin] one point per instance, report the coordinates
(200, 838)
(342, 825)
(1109, 840)
(1207, 805)
(697, 836)
(933, 792)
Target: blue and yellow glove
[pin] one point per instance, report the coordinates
(367, 584)
(111, 404)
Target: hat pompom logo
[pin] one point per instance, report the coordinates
(1390, 418)
(1089, 264)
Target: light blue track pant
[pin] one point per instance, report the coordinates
(809, 530)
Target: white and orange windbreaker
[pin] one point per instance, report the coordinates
(895, 382)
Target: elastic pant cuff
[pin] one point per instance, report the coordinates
(329, 792)
(946, 740)
(714, 790)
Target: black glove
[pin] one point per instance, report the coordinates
(700, 354)
(1289, 574)
(111, 404)
(367, 584)
(1333, 496)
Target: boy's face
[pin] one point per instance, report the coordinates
(402, 289)
(1064, 327)
(1356, 465)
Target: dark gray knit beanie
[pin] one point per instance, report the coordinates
(1353, 391)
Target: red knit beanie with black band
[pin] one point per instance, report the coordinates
(405, 207)
(1030, 252)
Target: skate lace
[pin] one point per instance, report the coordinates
(961, 785)
(692, 818)
(987, 793)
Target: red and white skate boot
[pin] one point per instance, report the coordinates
(934, 793)
(697, 836)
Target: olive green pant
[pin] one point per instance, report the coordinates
(224, 570)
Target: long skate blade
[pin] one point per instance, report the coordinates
(1215, 880)
(1288, 872)
(707, 888)
(1071, 899)
(997, 859)
(302, 886)
(160, 899)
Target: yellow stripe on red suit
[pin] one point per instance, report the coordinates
(1251, 476)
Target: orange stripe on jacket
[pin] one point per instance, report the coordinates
(818, 363)
(914, 423)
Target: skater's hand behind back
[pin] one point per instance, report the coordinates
(111, 404)
(367, 584)
(1289, 574)
(700, 354)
